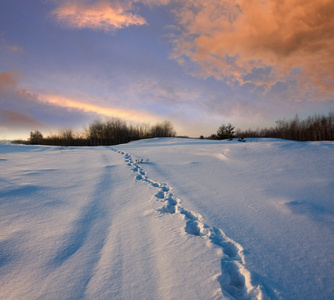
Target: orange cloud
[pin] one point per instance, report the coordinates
(16, 120)
(7, 80)
(61, 101)
(103, 15)
(259, 42)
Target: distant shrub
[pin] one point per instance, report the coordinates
(36, 137)
(224, 132)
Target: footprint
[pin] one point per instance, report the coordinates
(230, 249)
(172, 205)
(139, 177)
(171, 209)
(160, 195)
(172, 201)
(191, 215)
(232, 281)
(195, 227)
(154, 184)
(165, 188)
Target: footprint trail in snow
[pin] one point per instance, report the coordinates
(235, 280)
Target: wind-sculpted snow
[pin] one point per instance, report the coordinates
(90, 214)
(168, 219)
(235, 280)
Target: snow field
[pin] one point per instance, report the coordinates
(235, 280)
(195, 220)
(78, 225)
(273, 197)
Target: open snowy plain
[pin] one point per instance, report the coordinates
(196, 219)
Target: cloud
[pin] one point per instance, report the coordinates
(259, 42)
(167, 92)
(62, 101)
(16, 120)
(99, 15)
(4, 45)
(154, 2)
(7, 80)
(25, 110)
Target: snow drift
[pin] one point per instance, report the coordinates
(168, 219)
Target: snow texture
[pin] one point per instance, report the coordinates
(168, 219)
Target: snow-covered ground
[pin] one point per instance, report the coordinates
(196, 219)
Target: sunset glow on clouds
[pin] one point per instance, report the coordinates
(196, 63)
(7, 80)
(103, 15)
(260, 42)
(127, 115)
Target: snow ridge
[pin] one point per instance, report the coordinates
(236, 281)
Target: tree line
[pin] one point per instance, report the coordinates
(314, 128)
(115, 131)
(108, 132)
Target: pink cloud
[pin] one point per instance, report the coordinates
(100, 15)
(7, 80)
(68, 103)
(16, 120)
(237, 40)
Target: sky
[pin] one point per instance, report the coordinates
(198, 64)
